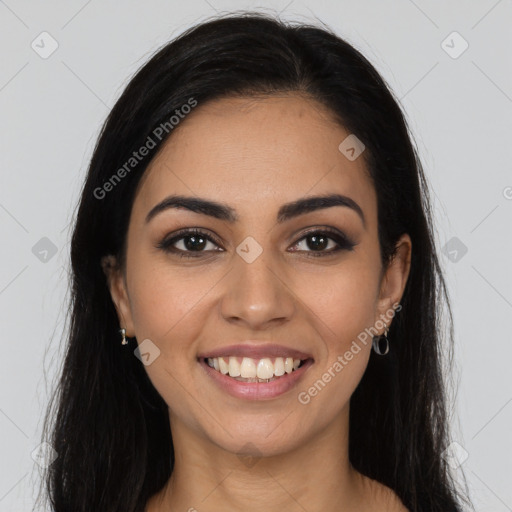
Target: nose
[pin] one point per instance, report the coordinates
(257, 293)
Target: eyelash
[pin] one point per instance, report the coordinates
(344, 243)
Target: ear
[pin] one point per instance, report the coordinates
(394, 279)
(118, 291)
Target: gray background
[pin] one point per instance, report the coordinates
(459, 106)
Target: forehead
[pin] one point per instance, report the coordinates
(254, 152)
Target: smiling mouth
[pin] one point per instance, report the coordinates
(247, 369)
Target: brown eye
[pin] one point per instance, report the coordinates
(187, 242)
(324, 242)
(194, 242)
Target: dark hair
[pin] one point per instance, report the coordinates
(111, 427)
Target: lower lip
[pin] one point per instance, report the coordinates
(256, 390)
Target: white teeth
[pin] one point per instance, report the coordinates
(223, 366)
(279, 367)
(234, 367)
(248, 368)
(263, 369)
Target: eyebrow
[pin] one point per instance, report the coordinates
(226, 213)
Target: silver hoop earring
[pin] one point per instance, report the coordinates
(377, 341)
(123, 334)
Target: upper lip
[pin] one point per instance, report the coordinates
(255, 351)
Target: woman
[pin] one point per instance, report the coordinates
(256, 294)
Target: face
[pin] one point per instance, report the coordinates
(307, 281)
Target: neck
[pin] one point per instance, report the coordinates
(316, 475)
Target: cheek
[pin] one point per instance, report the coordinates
(165, 307)
(343, 301)
(163, 302)
(342, 317)
(343, 306)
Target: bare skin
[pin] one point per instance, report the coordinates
(255, 154)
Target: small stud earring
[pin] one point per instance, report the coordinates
(123, 334)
